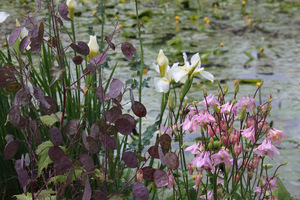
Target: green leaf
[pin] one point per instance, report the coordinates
(44, 195)
(50, 120)
(281, 193)
(249, 55)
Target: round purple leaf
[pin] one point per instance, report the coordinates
(87, 162)
(140, 191)
(56, 153)
(128, 50)
(10, 150)
(14, 35)
(52, 109)
(148, 173)
(172, 160)
(113, 114)
(138, 109)
(23, 177)
(130, 159)
(161, 178)
(115, 88)
(56, 136)
(63, 165)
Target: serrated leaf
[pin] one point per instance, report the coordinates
(50, 120)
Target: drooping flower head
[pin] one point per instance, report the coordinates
(222, 157)
(249, 103)
(209, 102)
(276, 136)
(266, 149)
(249, 133)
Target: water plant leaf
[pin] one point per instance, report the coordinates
(99, 59)
(92, 145)
(13, 87)
(113, 114)
(77, 60)
(130, 159)
(14, 115)
(71, 127)
(10, 150)
(108, 141)
(63, 166)
(86, 162)
(115, 88)
(14, 35)
(138, 109)
(140, 191)
(56, 153)
(87, 194)
(56, 136)
(148, 173)
(128, 50)
(161, 178)
(161, 156)
(81, 48)
(23, 177)
(172, 160)
(153, 151)
(125, 124)
(63, 11)
(52, 108)
(165, 141)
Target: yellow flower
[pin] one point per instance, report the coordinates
(120, 26)
(258, 83)
(168, 2)
(249, 21)
(94, 12)
(215, 5)
(93, 45)
(221, 44)
(244, 3)
(208, 21)
(205, 19)
(177, 17)
(177, 22)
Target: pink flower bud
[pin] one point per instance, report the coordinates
(234, 137)
(191, 169)
(255, 161)
(237, 148)
(236, 178)
(250, 122)
(225, 139)
(198, 178)
(139, 175)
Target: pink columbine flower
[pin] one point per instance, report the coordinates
(209, 196)
(266, 149)
(237, 148)
(222, 157)
(203, 161)
(213, 131)
(246, 101)
(276, 135)
(206, 117)
(211, 100)
(226, 108)
(195, 148)
(249, 133)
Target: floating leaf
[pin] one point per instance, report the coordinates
(87, 194)
(10, 150)
(165, 141)
(172, 160)
(82, 48)
(63, 165)
(63, 11)
(77, 60)
(140, 191)
(138, 109)
(99, 59)
(148, 173)
(14, 35)
(13, 87)
(23, 177)
(128, 50)
(71, 127)
(56, 136)
(115, 88)
(87, 162)
(161, 178)
(113, 114)
(153, 151)
(56, 154)
(130, 159)
(52, 109)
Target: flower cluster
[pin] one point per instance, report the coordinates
(177, 73)
(235, 138)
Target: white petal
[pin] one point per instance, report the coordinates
(207, 75)
(156, 67)
(24, 32)
(186, 62)
(3, 16)
(161, 84)
(195, 59)
(179, 74)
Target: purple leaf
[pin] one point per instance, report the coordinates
(39, 95)
(138, 109)
(71, 127)
(87, 162)
(56, 153)
(95, 130)
(14, 35)
(100, 94)
(108, 142)
(56, 136)
(36, 41)
(165, 141)
(140, 191)
(23, 177)
(24, 96)
(161, 156)
(81, 48)
(52, 109)
(124, 125)
(99, 195)
(14, 115)
(7, 75)
(115, 88)
(130, 159)
(153, 151)
(22, 123)
(31, 23)
(63, 11)
(172, 160)
(92, 145)
(77, 60)
(24, 43)
(161, 178)
(100, 59)
(38, 7)
(128, 50)
(109, 42)
(148, 173)
(87, 194)
(113, 114)
(63, 165)
(10, 150)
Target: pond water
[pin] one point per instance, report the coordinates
(274, 26)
